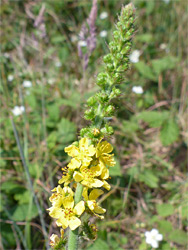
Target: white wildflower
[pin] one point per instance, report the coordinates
(134, 56)
(74, 38)
(82, 43)
(10, 78)
(51, 81)
(27, 84)
(18, 110)
(153, 238)
(103, 15)
(58, 64)
(103, 33)
(166, 1)
(6, 55)
(163, 46)
(137, 90)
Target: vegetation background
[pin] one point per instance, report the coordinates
(149, 182)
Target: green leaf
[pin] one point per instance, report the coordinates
(154, 118)
(145, 70)
(66, 131)
(130, 127)
(149, 178)
(99, 245)
(178, 236)
(35, 170)
(53, 112)
(11, 187)
(20, 212)
(169, 132)
(165, 209)
(160, 65)
(164, 226)
(145, 38)
(23, 197)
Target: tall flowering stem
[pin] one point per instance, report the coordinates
(85, 178)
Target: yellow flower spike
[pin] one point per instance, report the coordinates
(102, 152)
(91, 201)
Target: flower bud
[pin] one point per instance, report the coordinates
(91, 101)
(89, 114)
(108, 58)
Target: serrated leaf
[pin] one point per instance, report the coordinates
(66, 131)
(145, 70)
(99, 244)
(178, 236)
(164, 226)
(165, 209)
(154, 118)
(169, 132)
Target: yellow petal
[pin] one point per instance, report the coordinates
(79, 208)
(99, 210)
(106, 185)
(104, 174)
(77, 176)
(105, 147)
(74, 223)
(85, 193)
(63, 179)
(75, 163)
(72, 150)
(108, 159)
(95, 193)
(91, 150)
(91, 205)
(97, 170)
(62, 222)
(55, 212)
(54, 239)
(68, 202)
(68, 191)
(62, 233)
(97, 183)
(83, 143)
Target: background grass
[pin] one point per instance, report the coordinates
(149, 182)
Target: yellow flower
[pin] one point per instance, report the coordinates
(102, 152)
(88, 176)
(67, 177)
(54, 239)
(68, 216)
(60, 195)
(81, 155)
(91, 201)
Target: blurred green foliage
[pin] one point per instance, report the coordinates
(149, 182)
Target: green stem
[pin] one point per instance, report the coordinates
(73, 235)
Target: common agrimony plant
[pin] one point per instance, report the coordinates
(84, 179)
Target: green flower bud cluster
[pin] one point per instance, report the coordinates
(100, 107)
